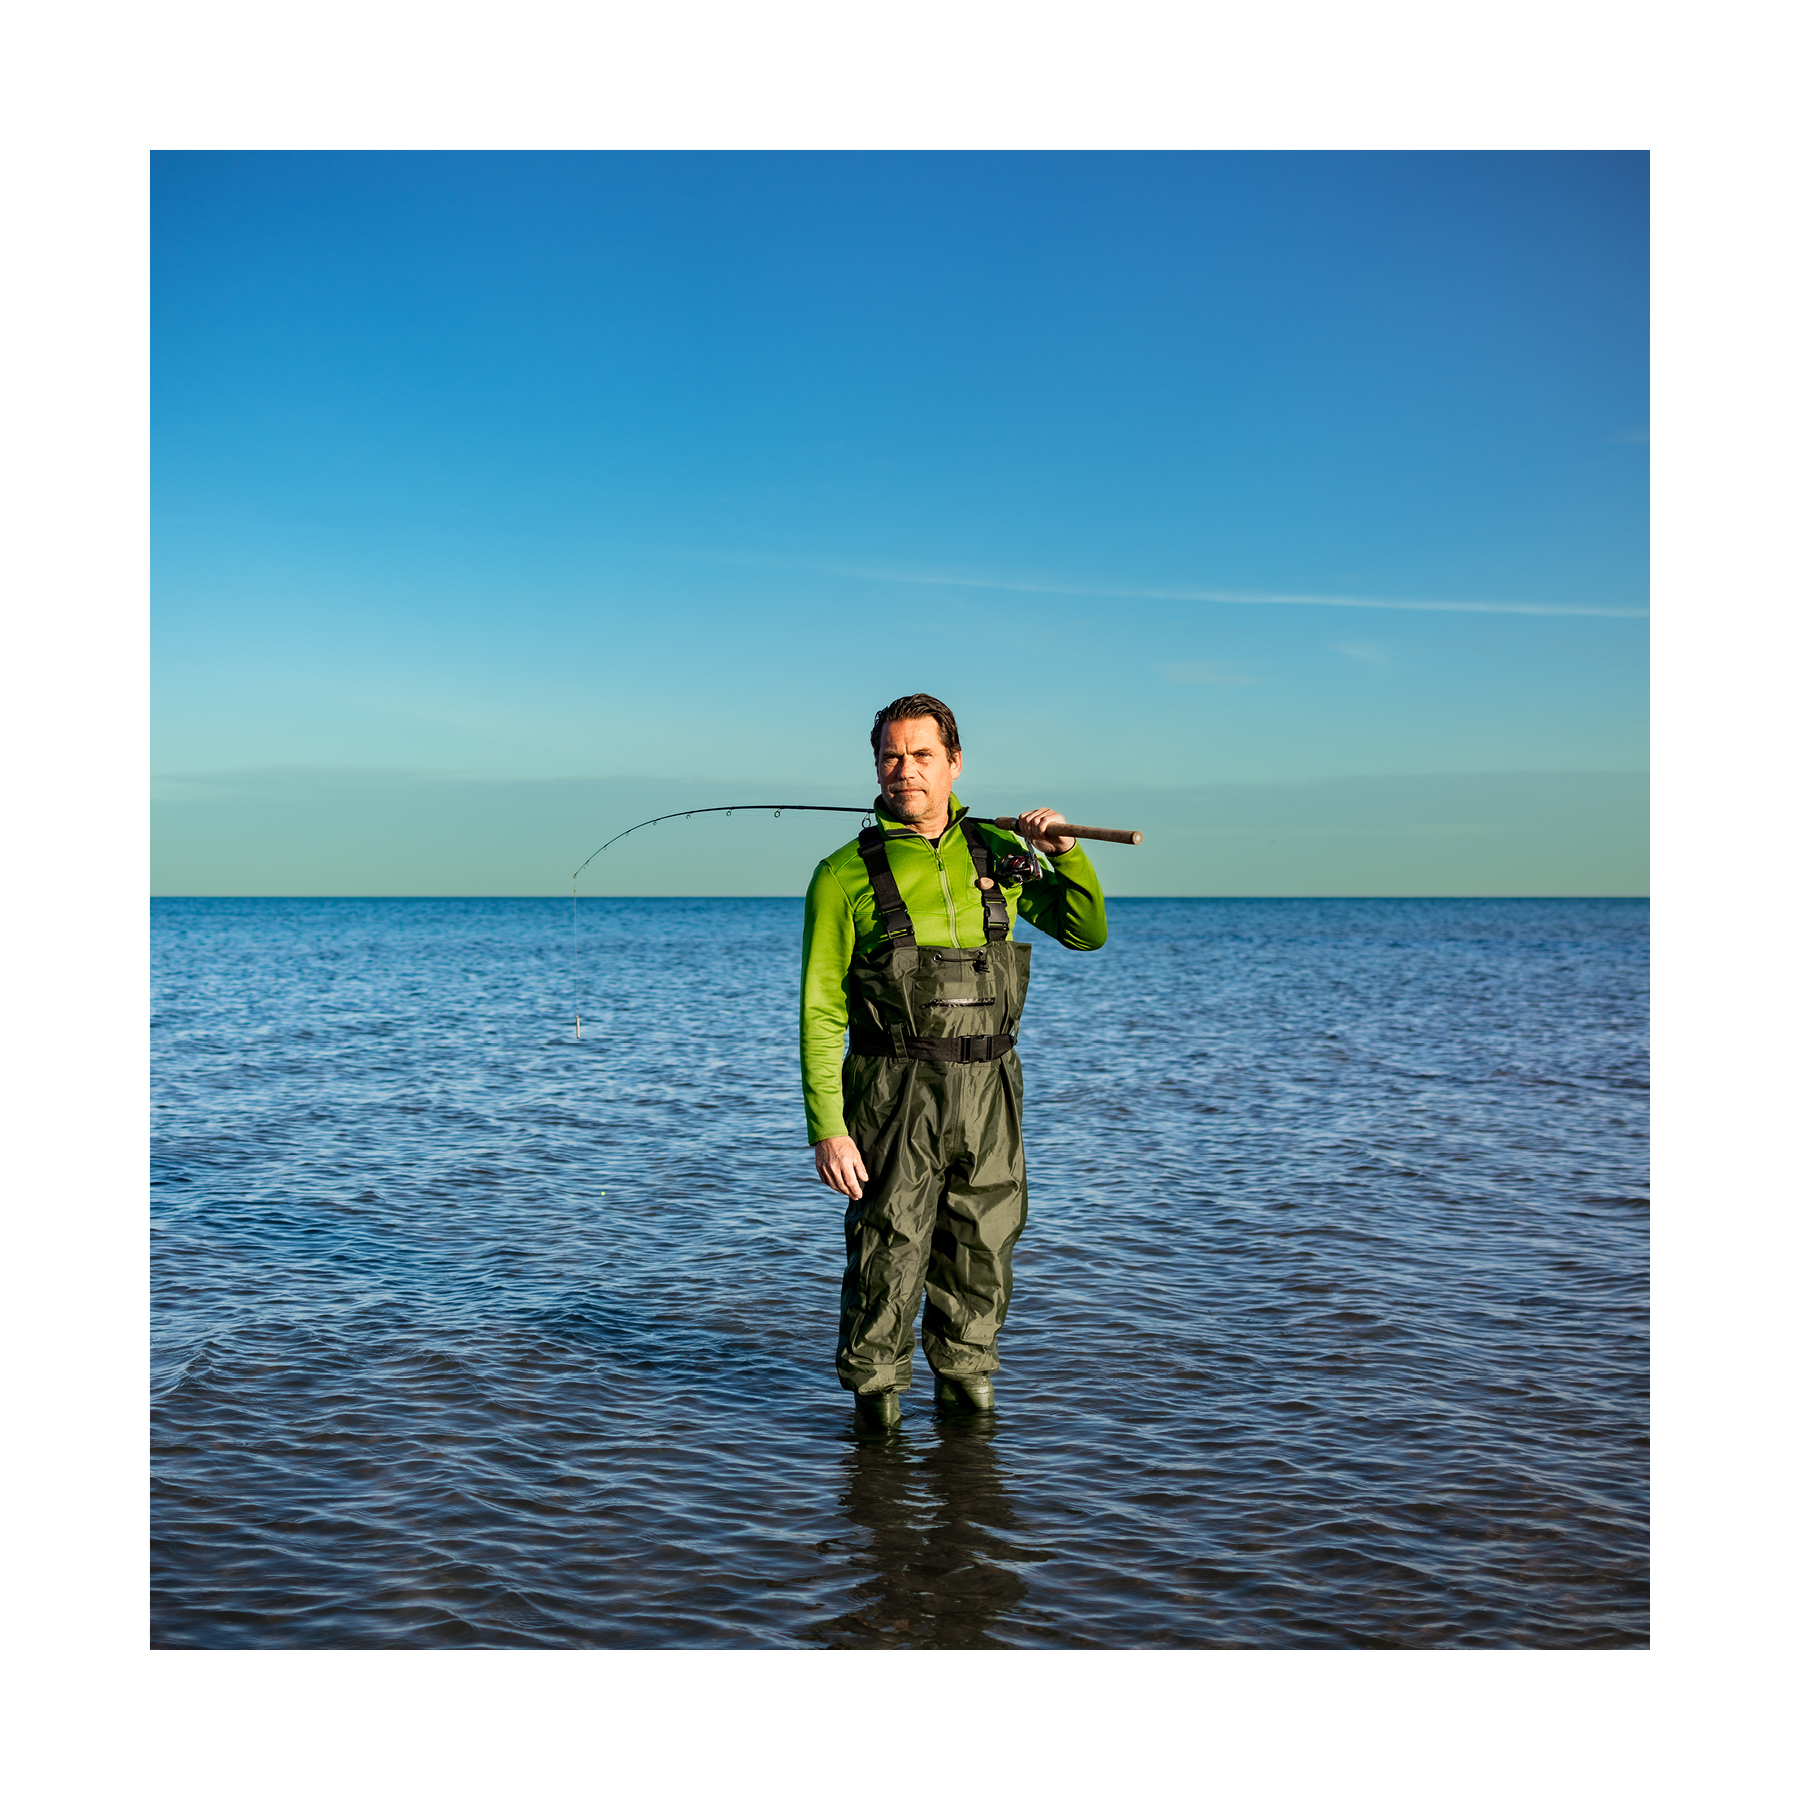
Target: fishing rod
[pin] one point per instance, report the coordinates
(1102, 834)
(866, 812)
(1063, 829)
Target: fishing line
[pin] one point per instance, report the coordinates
(1062, 828)
(867, 813)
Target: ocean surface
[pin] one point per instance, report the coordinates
(1329, 1331)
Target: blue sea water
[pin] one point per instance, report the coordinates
(1330, 1323)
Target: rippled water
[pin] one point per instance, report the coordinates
(1329, 1328)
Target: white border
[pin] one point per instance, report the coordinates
(95, 87)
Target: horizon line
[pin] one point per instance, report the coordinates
(1111, 899)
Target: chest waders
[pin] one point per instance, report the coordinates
(932, 1096)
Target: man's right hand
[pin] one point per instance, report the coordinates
(840, 1166)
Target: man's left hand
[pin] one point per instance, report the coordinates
(1036, 826)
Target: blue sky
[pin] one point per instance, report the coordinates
(1172, 473)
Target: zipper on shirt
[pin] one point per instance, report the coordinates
(944, 883)
(949, 901)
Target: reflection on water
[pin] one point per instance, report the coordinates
(1329, 1329)
(934, 1530)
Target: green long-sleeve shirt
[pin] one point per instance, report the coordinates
(937, 883)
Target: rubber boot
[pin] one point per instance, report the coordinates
(880, 1409)
(965, 1393)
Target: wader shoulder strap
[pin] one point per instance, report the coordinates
(896, 921)
(993, 902)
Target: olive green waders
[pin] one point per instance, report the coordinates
(932, 1096)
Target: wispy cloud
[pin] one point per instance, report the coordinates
(1377, 654)
(1213, 596)
(1207, 674)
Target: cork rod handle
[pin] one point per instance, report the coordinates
(1101, 832)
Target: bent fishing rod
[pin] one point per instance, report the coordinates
(1099, 833)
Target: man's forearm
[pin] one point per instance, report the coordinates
(1068, 904)
(822, 1086)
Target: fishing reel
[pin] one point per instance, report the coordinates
(1020, 866)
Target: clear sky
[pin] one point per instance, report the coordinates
(543, 480)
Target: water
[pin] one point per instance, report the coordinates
(1329, 1327)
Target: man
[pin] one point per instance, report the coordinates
(908, 944)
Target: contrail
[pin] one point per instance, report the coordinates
(1231, 597)
(1212, 596)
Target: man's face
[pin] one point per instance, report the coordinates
(914, 769)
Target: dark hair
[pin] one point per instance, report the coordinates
(918, 706)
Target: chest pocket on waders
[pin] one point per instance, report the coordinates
(935, 1005)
